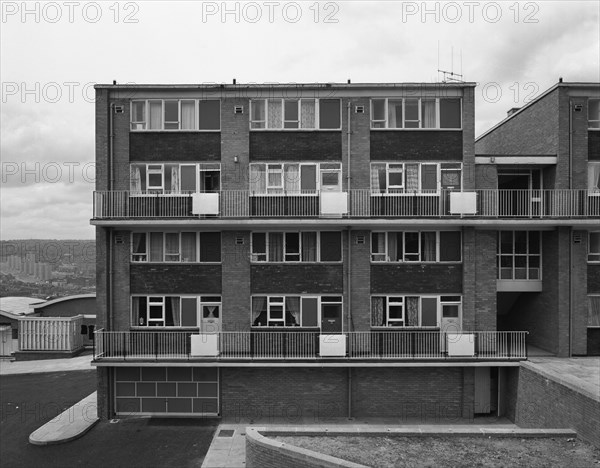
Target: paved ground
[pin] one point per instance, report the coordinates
(580, 374)
(28, 401)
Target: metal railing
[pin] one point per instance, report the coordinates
(362, 203)
(304, 345)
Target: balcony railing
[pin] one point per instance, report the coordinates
(358, 203)
(303, 345)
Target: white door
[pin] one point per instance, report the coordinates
(451, 322)
(211, 318)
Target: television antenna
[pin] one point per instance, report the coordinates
(450, 76)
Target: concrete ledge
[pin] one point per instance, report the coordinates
(40, 355)
(68, 425)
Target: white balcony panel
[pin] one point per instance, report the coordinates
(205, 203)
(463, 203)
(205, 345)
(460, 344)
(334, 203)
(332, 345)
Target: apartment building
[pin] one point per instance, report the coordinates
(327, 250)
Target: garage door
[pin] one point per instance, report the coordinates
(176, 391)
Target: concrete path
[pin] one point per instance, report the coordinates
(579, 374)
(46, 365)
(228, 448)
(68, 425)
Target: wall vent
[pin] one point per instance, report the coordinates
(239, 241)
(578, 107)
(119, 109)
(359, 109)
(119, 239)
(577, 239)
(360, 239)
(238, 109)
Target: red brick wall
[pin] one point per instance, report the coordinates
(175, 146)
(360, 288)
(484, 256)
(296, 146)
(418, 145)
(235, 142)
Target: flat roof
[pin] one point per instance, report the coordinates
(64, 299)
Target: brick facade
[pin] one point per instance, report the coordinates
(179, 146)
(418, 145)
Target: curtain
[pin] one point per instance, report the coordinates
(135, 311)
(376, 170)
(594, 176)
(275, 114)
(394, 114)
(393, 246)
(292, 306)
(188, 246)
(378, 248)
(307, 113)
(258, 181)
(593, 311)
(412, 177)
(188, 114)
(412, 311)
(156, 247)
(428, 247)
(259, 304)
(175, 312)
(309, 246)
(428, 113)
(136, 180)
(291, 183)
(275, 246)
(377, 315)
(155, 115)
(175, 179)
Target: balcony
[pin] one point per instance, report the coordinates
(309, 346)
(359, 203)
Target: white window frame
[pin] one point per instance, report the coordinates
(135, 125)
(403, 190)
(148, 254)
(394, 301)
(200, 302)
(419, 253)
(274, 189)
(319, 299)
(198, 169)
(594, 192)
(439, 304)
(514, 255)
(386, 123)
(255, 255)
(280, 190)
(265, 101)
(149, 304)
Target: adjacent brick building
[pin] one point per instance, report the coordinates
(327, 250)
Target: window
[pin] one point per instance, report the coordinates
(174, 178)
(593, 311)
(594, 178)
(594, 246)
(294, 178)
(184, 247)
(411, 113)
(417, 246)
(296, 246)
(594, 113)
(412, 310)
(519, 255)
(293, 114)
(411, 178)
(169, 311)
(176, 114)
(289, 311)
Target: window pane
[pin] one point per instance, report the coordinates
(378, 113)
(275, 114)
(291, 113)
(258, 114)
(188, 246)
(189, 312)
(412, 177)
(307, 113)
(188, 115)
(428, 113)
(329, 113)
(172, 247)
(396, 179)
(395, 246)
(156, 247)
(155, 115)
(210, 246)
(534, 242)
(428, 312)
(139, 247)
(593, 311)
(138, 114)
(411, 246)
(395, 113)
(331, 246)
(209, 115)
(171, 115)
(308, 178)
(450, 113)
(520, 242)
(428, 247)
(594, 243)
(594, 113)
(309, 311)
(506, 242)
(429, 177)
(395, 312)
(378, 246)
(275, 246)
(188, 178)
(594, 176)
(450, 246)
(411, 108)
(292, 247)
(309, 246)
(451, 179)
(259, 247)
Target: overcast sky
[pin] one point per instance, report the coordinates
(53, 53)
